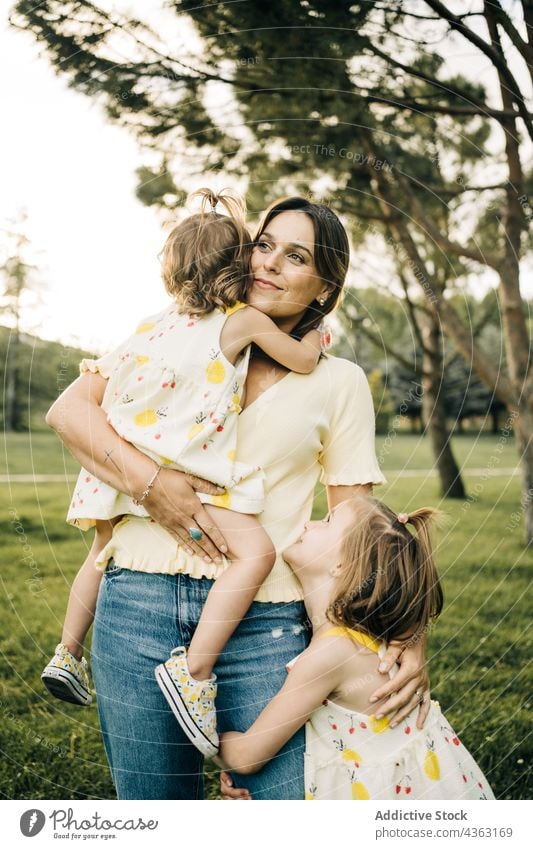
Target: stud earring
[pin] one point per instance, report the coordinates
(322, 300)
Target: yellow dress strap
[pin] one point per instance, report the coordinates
(238, 306)
(357, 636)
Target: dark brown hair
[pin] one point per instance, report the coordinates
(331, 253)
(206, 259)
(388, 584)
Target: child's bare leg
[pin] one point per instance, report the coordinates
(84, 593)
(252, 557)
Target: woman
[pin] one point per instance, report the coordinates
(294, 426)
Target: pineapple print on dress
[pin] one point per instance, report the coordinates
(347, 754)
(148, 418)
(198, 426)
(311, 793)
(215, 371)
(378, 726)
(431, 761)
(359, 790)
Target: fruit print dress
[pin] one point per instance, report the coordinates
(173, 394)
(350, 755)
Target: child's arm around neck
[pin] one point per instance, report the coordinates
(318, 672)
(248, 325)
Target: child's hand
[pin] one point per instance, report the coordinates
(229, 792)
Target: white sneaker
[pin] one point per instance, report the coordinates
(66, 677)
(192, 702)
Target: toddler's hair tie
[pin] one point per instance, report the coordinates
(403, 518)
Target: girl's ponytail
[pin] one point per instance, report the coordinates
(430, 596)
(389, 585)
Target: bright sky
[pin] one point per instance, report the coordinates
(74, 174)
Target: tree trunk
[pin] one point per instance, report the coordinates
(451, 483)
(524, 435)
(12, 408)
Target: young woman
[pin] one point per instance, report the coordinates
(297, 428)
(174, 391)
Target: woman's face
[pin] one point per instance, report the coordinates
(285, 280)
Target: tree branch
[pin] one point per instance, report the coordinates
(497, 60)
(439, 238)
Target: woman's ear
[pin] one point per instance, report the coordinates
(326, 292)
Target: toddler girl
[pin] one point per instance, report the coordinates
(367, 580)
(174, 390)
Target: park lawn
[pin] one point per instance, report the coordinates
(42, 453)
(479, 650)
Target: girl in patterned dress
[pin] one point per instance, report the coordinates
(174, 391)
(367, 580)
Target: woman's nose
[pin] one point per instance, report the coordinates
(271, 261)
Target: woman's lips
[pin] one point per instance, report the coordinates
(265, 284)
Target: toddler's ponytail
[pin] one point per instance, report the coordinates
(209, 200)
(206, 258)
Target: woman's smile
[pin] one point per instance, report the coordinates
(261, 283)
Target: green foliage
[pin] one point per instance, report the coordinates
(381, 397)
(45, 369)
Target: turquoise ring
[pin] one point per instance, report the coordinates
(196, 534)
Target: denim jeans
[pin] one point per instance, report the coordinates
(140, 618)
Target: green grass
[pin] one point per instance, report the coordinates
(478, 652)
(41, 453)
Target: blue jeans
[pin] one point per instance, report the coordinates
(140, 618)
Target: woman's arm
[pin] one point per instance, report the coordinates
(249, 325)
(310, 681)
(82, 424)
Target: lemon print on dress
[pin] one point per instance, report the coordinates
(378, 725)
(215, 371)
(144, 328)
(431, 762)
(222, 500)
(232, 454)
(359, 791)
(146, 418)
(141, 360)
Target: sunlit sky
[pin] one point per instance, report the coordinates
(74, 175)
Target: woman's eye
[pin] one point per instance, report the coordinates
(297, 257)
(262, 245)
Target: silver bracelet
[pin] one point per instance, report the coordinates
(138, 501)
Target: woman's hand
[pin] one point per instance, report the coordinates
(173, 504)
(228, 791)
(409, 688)
(81, 422)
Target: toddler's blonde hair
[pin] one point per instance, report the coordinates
(206, 259)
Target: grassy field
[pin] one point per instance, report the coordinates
(479, 651)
